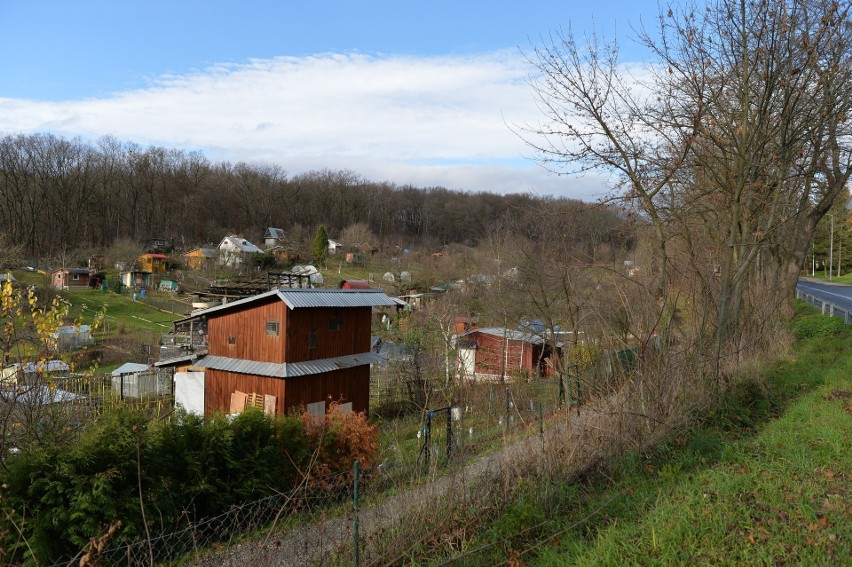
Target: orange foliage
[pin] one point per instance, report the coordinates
(340, 439)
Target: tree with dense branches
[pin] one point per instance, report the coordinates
(732, 144)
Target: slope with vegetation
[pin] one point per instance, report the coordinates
(762, 480)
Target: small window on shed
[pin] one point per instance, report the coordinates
(334, 324)
(232, 340)
(76, 276)
(272, 328)
(312, 339)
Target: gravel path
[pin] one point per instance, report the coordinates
(326, 541)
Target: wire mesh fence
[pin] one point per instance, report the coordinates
(339, 520)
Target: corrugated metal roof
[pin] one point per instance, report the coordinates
(130, 368)
(507, 333)
(287, 369)
(176, 360)
(277, 370)
(298, 298)
(330, 364)
(304, 297)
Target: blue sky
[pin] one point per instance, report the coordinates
(408, 92)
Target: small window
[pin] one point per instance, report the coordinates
(76, 276)
(312, 339)
(272, 328)
(334, 324)
(232, 340)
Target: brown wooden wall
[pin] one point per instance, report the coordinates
(352, 338)
(219, 385)
(519, 355)
(348, 385)
(248, 326)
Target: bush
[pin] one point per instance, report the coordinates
(340, 440)
(817, 325)
(190, 468)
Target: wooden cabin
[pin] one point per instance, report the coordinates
(153, 263)
(200, 258)
(288, 348)
(68, 278)
(135, 279)
(491, 353)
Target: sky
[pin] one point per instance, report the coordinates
(413, 93)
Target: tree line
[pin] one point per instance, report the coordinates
(59, 194)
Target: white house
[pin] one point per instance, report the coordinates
(235, 251)
(273, 237)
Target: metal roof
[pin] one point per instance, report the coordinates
(130, 368)
(286, 369)
(510, 334)
(299, 298)
(175, 360)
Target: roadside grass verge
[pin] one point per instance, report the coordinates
(764, 480)
(823, 275)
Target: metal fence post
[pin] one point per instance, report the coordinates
(449, 431)
(356, 550)
(427, 437)
(540, 423)
(507, 410)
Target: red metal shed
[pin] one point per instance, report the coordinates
(354, 284)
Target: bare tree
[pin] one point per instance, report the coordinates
(732, 145)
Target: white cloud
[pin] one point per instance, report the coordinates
(420, 121)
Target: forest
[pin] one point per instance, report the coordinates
(58, 195)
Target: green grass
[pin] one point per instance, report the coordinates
(25, 278)
(765, 481)
(121, 311)
(821, 275)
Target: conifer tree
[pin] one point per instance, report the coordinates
(319, 247)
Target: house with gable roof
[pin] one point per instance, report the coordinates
(273, 237)
(283, 349)
(235, 251)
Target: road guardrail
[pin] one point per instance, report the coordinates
(826, 307)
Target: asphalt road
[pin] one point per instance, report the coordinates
(839, 294)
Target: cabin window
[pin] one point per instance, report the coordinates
(312, 339)
(272, 328)
(232, 340)
(76, 276)
(334, 324)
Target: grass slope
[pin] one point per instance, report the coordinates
(782, 497)
(120, 310)
(765, 481)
